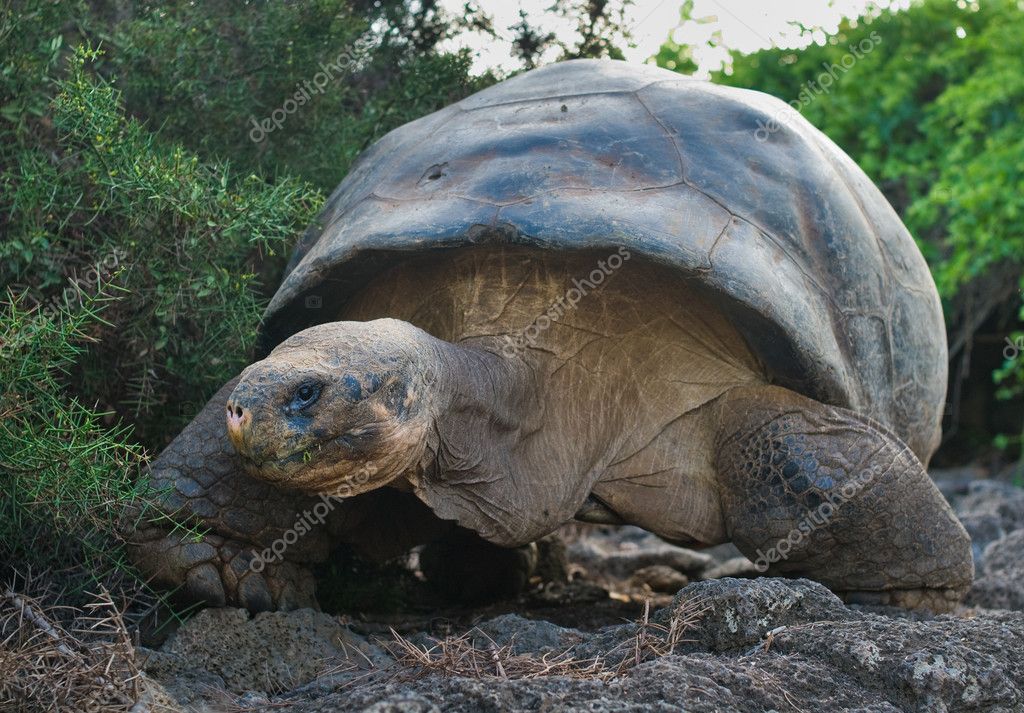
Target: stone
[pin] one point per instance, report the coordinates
(226, 649)
(734, 567)
(1000, 582)
(752, 644)
(617, 553)
(528, 635)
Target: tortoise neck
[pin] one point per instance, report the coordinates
(484, 392)
(484, 405)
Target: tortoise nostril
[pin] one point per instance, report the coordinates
(235, 414)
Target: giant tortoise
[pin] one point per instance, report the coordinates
(598, 291)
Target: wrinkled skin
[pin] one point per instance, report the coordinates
(853, 503)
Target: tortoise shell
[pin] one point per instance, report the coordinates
(730, 187)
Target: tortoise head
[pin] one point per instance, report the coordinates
(337, 409)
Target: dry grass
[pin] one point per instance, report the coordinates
(771, 685)
(656, 640)
(62, 659)
(460, 656)
(463, 656)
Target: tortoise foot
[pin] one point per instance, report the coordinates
(218, 571)
(819, 491)
(938, 601)
(203, 528)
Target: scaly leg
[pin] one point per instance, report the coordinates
(819, 491)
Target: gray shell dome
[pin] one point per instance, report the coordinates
(729, 186)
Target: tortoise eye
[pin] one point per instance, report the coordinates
(306, 395)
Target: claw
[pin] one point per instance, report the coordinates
(203, 584)
(218, 572)
(197, 482)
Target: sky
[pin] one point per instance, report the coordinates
(744, 25)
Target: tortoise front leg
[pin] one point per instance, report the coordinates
(819, 491)
(259, 540)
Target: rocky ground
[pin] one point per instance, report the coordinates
(724, 641)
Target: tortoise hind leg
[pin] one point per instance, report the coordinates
(819, 491)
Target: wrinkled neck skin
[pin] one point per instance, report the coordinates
(482, 392)
(485, 447)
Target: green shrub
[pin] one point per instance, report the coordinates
(230, 67)
(105, 203)
(187, 236)
(62, 470)
(109, 216)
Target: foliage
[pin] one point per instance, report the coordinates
(61, 467)
(97, 207)
(599, 29)
(930, 103)
(677, 57)
(110, 196)
(315, 73)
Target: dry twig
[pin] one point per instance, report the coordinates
(58, 659)
(461, 656)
